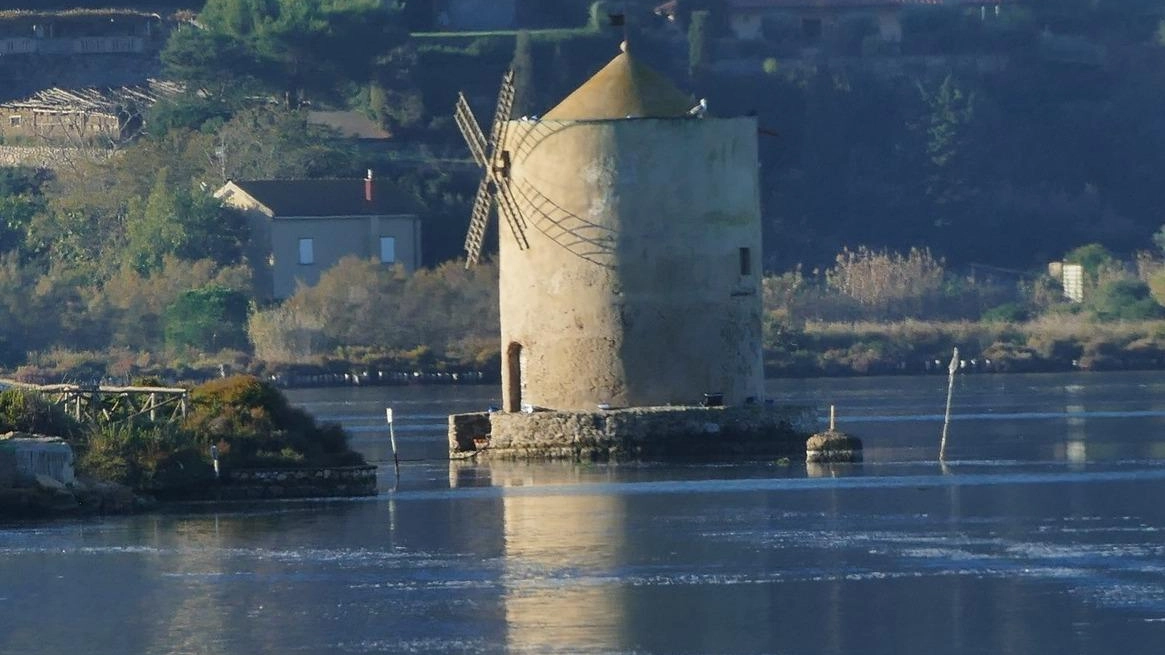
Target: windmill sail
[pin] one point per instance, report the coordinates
(494, 187)
(478, 222)
(470, 129)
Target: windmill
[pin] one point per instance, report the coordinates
(494, 188)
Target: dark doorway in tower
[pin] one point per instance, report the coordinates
(515, 362)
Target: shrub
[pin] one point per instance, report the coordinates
(29, 411)
(890, 284)
(1101, 355)
(146, 457)
(1006, 356)
(1124, 299)
(1157, 286)
(255, 426)
(1006, 313)
(1092, 257)
(208, 319)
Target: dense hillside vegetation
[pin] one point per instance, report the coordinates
(961, 159)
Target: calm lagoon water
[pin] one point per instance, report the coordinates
(1045, 533)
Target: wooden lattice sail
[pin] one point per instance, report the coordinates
(494, 188)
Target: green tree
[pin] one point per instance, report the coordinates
(946, 129)
(215, 66)
(296, 48)
(21, 199)
(208, 319)
(153, 227)
(16, 214)
(1123, 299)
(1093, 257)
(260, 143)
(394, 96)
(132, 306)
(186, 223)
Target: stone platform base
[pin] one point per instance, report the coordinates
(833, 446)
(638, 433)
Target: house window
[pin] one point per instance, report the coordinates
(745, 261)
(388, 250)
(14, 121)
(307, 253)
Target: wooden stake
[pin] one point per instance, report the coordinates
(942, 449)
(832, 418)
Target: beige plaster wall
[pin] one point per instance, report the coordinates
(631, 291)
(273, 249)
(334, 238)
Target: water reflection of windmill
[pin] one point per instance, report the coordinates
(494, 188)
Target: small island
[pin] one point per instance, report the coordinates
(232, 438)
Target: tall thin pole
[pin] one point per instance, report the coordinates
(942, 449)
(392, 440)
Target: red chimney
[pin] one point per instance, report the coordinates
(368, 187)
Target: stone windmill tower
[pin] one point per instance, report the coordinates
(629, 255)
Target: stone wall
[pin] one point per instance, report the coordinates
(50, 157)
(7, 469)
(652, 432)
(297, 483)
(465, 428)
(32, 456)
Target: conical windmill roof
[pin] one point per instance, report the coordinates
(623, 88)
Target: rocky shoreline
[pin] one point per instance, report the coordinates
(39, 500)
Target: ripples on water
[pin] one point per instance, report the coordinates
(1024, 544)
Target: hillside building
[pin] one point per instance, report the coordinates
(301, 228)
(81, 31)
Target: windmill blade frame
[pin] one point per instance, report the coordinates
(471, 131)
(494, 187)
(478, 222)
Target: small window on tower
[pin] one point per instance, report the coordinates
(14, 121)
(745, 261)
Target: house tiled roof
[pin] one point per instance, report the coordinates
(311, 198)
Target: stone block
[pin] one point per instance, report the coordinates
(32, 456)
(644, 432)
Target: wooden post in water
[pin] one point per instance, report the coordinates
(392, 440)
(942, 449)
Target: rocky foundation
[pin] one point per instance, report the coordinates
(638, 433)
(833, 446)
(269, 484)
